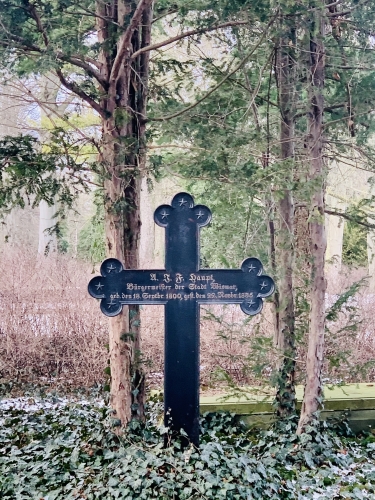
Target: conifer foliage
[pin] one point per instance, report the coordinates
(99, 51)
(268, 97)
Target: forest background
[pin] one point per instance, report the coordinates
(250, 107)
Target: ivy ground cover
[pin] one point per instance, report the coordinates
(55, 448)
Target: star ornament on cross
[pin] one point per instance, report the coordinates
(101, 288)
(111, 268)
(262, 286)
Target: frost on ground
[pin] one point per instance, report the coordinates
(36, 404)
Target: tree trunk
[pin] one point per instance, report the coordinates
(49, 108)
(285, 324)
(123, 159)
(314, 140)
(47, 241)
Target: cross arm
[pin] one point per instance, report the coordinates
(246, 286)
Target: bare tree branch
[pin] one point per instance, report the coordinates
(186, 34)
(329, 109)
(29, 47)
(73, 59)
(80, 63)
(361, 68)
(29, 97)
(227, 77)
(35, 15)
(348, 11)
(73, 87)
(178, 146)
(354, 115)
(350, 218)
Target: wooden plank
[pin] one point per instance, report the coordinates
(358, 420)
(358, 400)
(351, 396)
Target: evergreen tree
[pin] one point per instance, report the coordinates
(316, 61)
(99, 50)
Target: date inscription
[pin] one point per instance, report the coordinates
(161, 287)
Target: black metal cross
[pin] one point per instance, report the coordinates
(181, 286)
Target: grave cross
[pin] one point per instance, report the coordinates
(182, 286)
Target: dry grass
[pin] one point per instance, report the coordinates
(51, 331)
(227, 341)
(351, 338)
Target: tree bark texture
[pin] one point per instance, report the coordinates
(285, 321)
(314, 144)
(123, 102)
